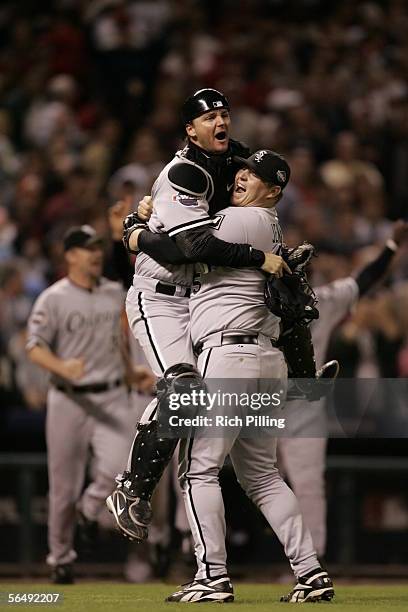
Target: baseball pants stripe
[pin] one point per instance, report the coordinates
(193, 511)
(149, 331)
(205, 365)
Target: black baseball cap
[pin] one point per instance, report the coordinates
(202, 101)
(268, 165)
(83, 237)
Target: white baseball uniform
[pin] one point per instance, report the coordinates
(227, 303)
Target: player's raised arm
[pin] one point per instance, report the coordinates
(373, 271)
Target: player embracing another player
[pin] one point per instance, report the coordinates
(194, 186)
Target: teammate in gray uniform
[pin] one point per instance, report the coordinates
(74, 332)
(188, 190)
(302, 456)
(234, 334)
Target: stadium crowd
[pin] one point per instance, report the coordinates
(89, 110)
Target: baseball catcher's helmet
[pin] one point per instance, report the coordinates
(202, 101)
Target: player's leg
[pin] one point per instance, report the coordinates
(255, 465)
(200, 462)
(68, 431)
(161, 325)
(303, 461)
(111, 437)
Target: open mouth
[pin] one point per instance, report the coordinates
(221, 135)
(239, 188)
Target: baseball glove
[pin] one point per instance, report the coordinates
(298, 258)
(131, 223)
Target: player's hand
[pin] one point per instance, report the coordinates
(400, 231)
(72, 369)
(116, 215)
(145, 208)
(275, 264)
(144, 380)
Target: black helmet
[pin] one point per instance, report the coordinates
(202, 101)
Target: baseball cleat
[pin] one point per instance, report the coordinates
(132, 515)
(216, 590)
(314, 587)
(62, 574)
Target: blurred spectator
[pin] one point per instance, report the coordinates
(15, 305)
(8, 233)
(90, 99)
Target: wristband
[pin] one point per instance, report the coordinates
(257, 257)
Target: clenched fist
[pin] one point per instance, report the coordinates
(145, 208)
(72, 369)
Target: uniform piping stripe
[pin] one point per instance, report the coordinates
(207, 359)
(193, 510)
(190, 225)
(149, 331)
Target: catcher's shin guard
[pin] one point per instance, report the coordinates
(297, 345)
(318, 387)
(152, 452)
(130, 501)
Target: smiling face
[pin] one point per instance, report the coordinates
(250, 190)
(211, 131)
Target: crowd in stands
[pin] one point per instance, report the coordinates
(90, 93)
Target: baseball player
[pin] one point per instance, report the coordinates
(192, 187)
(303, 458)
(235, 337)
(74, 332)
(154, 557)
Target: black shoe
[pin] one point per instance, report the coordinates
(132, 515)
(316, 586)
(87, 532)
(62, 574)
(208, 589)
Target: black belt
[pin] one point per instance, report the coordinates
(169, 289)
(235, 339)
(91, 388)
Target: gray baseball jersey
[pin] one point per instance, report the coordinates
(227, 298)
(75, 322)
(334, 302)
(174, 212)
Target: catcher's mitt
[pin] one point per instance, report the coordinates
(131, 223)
(298, 258)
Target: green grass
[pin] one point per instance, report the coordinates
(107, 597)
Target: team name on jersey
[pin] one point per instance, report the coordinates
(76, 320)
